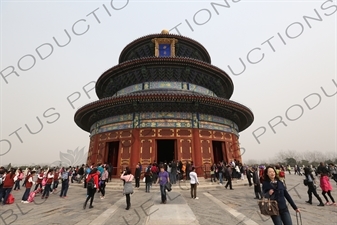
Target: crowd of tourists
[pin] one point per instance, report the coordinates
(268, 182)
(42, 182)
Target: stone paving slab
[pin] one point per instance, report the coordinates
(178, 214)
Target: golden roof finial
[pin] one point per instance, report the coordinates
(164, 31)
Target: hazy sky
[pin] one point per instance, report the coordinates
(288, 49)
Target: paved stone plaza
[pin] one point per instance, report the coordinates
(216, 205)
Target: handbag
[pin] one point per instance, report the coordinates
(305, 182)
(268, 207)
(128, 188)
(144, 179)
(168, 186)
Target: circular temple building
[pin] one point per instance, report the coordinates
(163, 101)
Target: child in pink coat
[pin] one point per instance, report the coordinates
(326, 189)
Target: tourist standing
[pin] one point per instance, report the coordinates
(92, 185)
(257, 184)
(213, 173)
(188, 169)
(110, 168)
(228, 174)
(127, 177)
(194, 182)
(154, 170)
(220, 172)
(174, 168)
(249, 175)
(137, 175)
(275, 189)
(163, 178)
(65, 182)
(8, 183)
(56, 179)
(148, 180)
(103, 179)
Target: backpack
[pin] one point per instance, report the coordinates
(10, 199)
(91, 183)
(281, 174)
(64, 175)
(32, 196)
(44, 181)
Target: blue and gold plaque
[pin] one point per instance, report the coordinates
(164, 50)
(164, 47)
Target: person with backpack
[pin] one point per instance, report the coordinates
(65, 182)
(29, 183)
(39, 181)
(148, 179)
(8, 183)
(49, 181)
(92, 185)
(127, 177)
(86, 174)
(311, 187)
(102, 183)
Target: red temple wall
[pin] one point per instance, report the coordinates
(139, 145)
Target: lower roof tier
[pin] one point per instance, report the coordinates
(163, 101)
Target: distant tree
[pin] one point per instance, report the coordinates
(328, 161)
(304, 162)
(291, 161)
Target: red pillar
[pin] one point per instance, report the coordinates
(196, 152)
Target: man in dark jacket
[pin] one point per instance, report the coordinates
(137, 175)
(249, 173)
(81, 173)
(174, 171)
(228, 174)
(257, 185)
(188, 169)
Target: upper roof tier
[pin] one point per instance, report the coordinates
(145, 47)
(164, 69)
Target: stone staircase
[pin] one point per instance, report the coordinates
(117, 185)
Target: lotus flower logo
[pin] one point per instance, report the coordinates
(72, 158)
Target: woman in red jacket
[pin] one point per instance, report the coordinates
(8, 184)
(39, 181)
(91, 187)
(47, 188)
